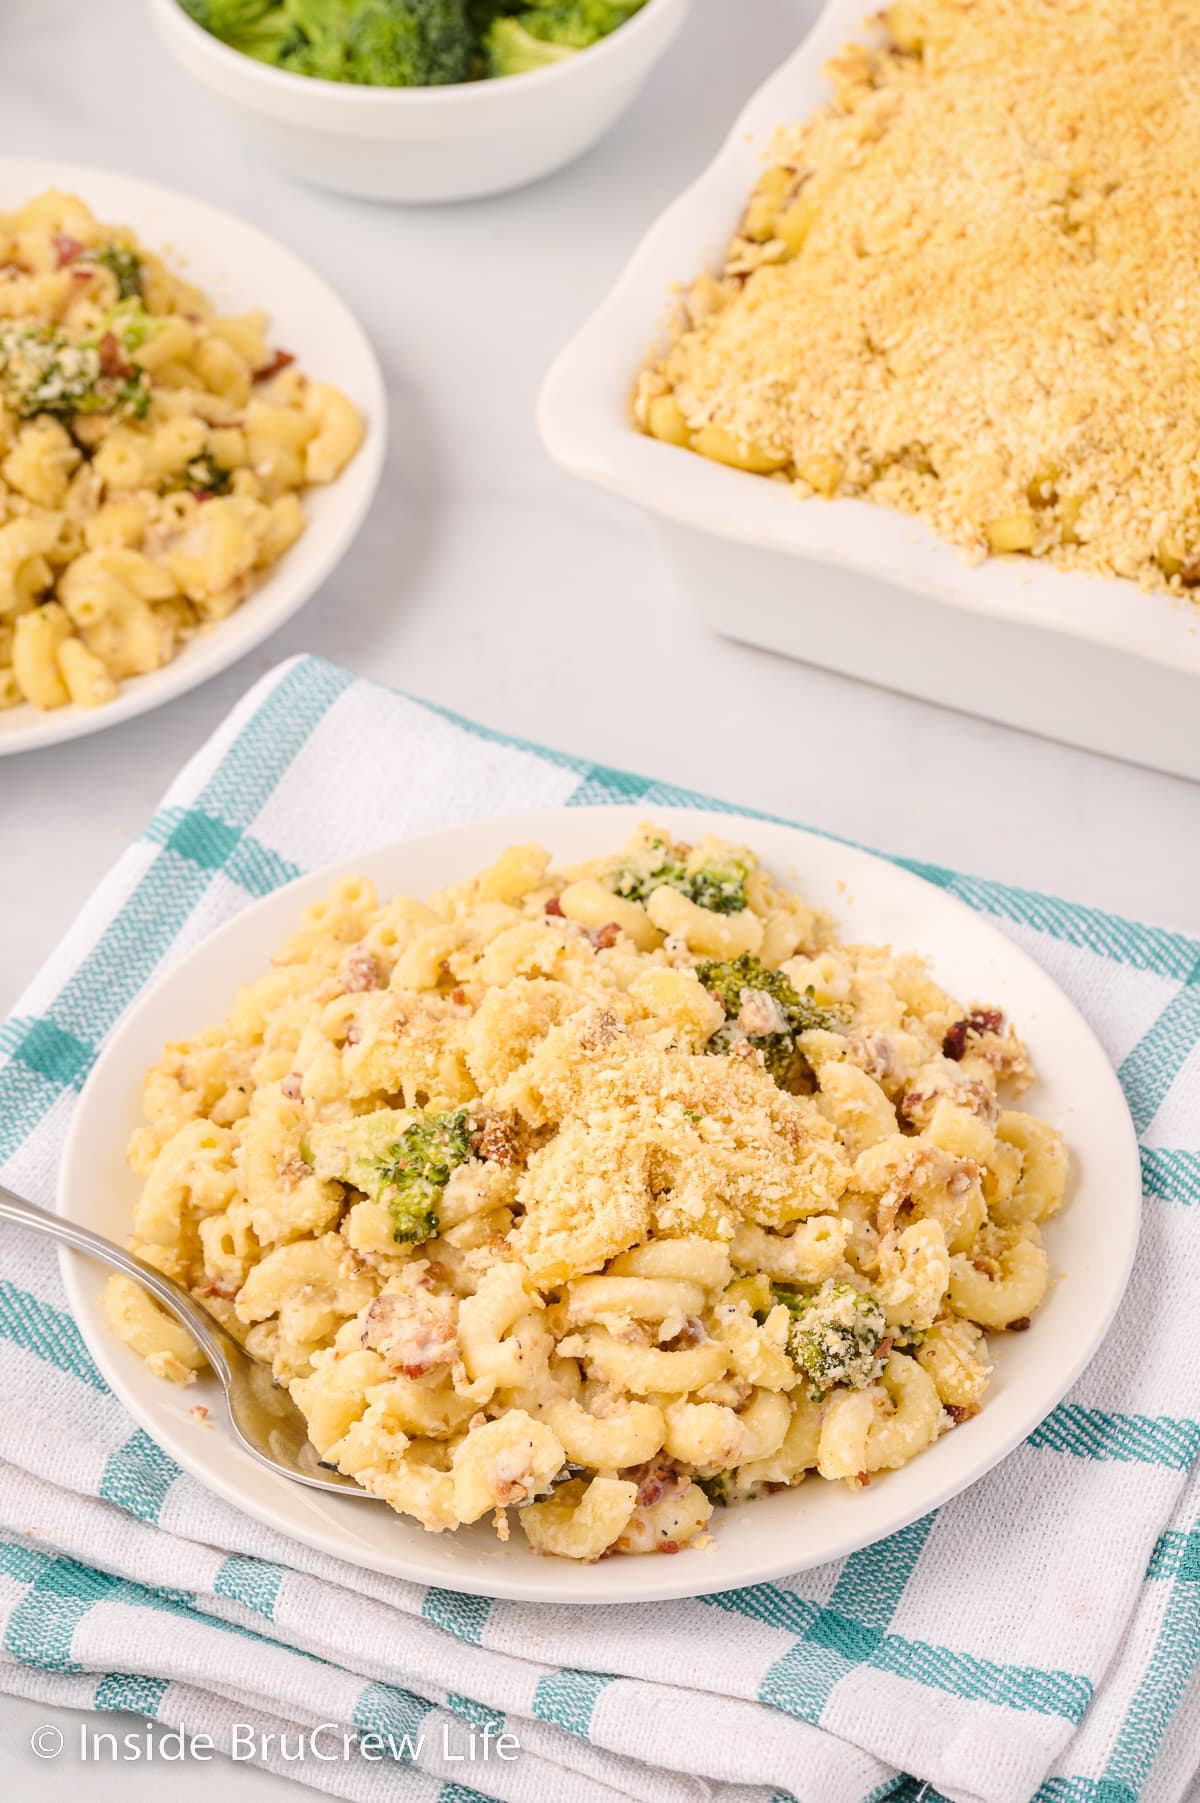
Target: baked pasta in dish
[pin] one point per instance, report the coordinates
(609, 1193)
(152, 456)
(967, 288)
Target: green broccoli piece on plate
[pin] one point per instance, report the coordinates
(720, 887)
(401, 1160)
(122, 263)
(204, 477)
(43, 371)
(762, 1006)
(835, 1336)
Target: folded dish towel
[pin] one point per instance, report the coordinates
(1039, 1636)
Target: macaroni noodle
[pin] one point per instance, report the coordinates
(150, 456)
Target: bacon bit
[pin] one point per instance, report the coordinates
(294, 1171)
(218, 1289)
(958, 1413)
(497, 1142)
(113, 361)
(773, 1489)
(655, 1479)
(414, 1371)
(199, 1414)
(1189, 575)
(437, 1270)
(67, 249)
(1022, 1324)
(885, 1346)
(459, 996)
(983, 1020)
(279, 361)
(670, 1546)
(79, 274)
(690, 1334)
(360, 970)
(292, 1086)
(603, 937)
(353, 1032)
(203, 494)
(554, 906)
(863, 1479)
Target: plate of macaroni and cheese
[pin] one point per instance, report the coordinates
(634, 1208)
(192, 426)
(925, 319)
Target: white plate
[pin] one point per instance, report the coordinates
(585, 420)
(1092, 1241)
(239, 268)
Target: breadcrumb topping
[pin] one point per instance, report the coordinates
(967, 288)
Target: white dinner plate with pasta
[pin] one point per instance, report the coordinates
(192, 427)
(603, 1189)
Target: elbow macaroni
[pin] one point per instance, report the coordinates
(152, 454)
(603, 1305)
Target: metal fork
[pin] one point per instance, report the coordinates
(261, 1413)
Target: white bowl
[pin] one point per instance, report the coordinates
(427, 144)
(239, 268)
(1092, 1241)
(1094, 662)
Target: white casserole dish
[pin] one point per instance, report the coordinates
(846, 584)
(426, 144)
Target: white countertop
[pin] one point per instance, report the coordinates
(488, 581)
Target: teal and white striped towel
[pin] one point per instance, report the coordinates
(1039, 1636)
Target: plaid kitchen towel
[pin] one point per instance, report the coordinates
(1037, 1637)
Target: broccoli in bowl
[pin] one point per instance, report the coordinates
(409, 43)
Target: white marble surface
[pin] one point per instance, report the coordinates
(488, 581)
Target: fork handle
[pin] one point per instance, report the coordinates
(214, 1342)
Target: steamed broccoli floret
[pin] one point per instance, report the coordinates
(394, 1159)
(203, 477)
(538, 36)
(42, 371)
(784, 1014)
(374, 43)
(130, 324)
(511, 49)
(410, 43)
(719, 1489)
(418, 1169)
(647, 870)
(122, 263)
(834, 1336)
(720, 887)
(575, 24)
(258, 28)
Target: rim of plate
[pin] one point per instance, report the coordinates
(305, 567)
(759, 1541)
